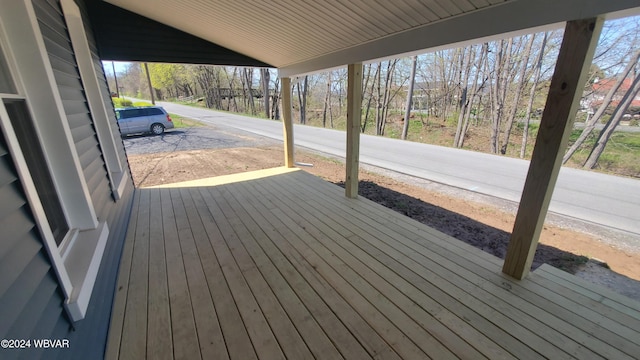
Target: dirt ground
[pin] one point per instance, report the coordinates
(478, 224)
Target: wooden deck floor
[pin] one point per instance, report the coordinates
(284, 266)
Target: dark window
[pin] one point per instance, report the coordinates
(154, 111)
(129, 113)
(26, 134)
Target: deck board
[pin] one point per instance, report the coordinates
(236, 338)
(595, 336)
(282, 265)
(182, 323)
(353, 337)
(326, 238)
(254, 239)
(159, 325)
(122, 286)
(134, 329)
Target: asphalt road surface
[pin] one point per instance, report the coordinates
(607, 200)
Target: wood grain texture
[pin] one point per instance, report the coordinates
(574, 59)
(287, 123)
(354, 114)
(286, 266)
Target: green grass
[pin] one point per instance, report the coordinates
(183, 122)
(621, 156)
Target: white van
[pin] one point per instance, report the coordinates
(140, 120)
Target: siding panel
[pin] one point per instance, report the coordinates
(36, 307)
(14, 264)
(23, 265)
(27, 286)
(60, 50)
(31, 301)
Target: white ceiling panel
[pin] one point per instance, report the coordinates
(302, 36)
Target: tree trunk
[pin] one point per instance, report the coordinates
(532, 94)
(371, 90)
(499, 91)
(484, 55)
(464, 102)
(591, 124)
(383, 110)
(265, 91)
(378, 82)
(302, 99)
(608, 129)
(275, 105)
(327, 99)
(516, 100)
(248, 77)
(407, 110)
(231, 92)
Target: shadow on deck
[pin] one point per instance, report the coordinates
(279, 264)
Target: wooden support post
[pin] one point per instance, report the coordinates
(569, 77)
(287, 123)
(354, 114)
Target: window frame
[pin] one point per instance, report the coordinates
(76, 261)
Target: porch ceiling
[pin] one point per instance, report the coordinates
(306, 36)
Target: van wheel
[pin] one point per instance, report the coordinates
(157, 129)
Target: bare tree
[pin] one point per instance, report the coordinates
(523, 63)
(275, 103)
(303, 89)
(232, 87)
(499, 90)
(607, 131)
(532, 94)
(464, 102)
(606, 102)
(474, 94)
(247, 90)
(385, 95)
(407, 111)
(264, 73)
(327, 103)
(368, 78)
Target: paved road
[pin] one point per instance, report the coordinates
(598, 198)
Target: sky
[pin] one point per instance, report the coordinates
(120, 66)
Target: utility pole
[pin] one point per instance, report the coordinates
(113, 66)
(146, 69)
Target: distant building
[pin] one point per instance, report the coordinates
(601, 88)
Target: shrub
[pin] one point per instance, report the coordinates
(142, 103)
(119, 102)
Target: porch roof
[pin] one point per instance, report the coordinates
(306, 36)
(279, 264)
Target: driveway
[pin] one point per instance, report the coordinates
(195, 138)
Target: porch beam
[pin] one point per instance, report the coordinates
(576, 53)
(287, 123)
(354, 114)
